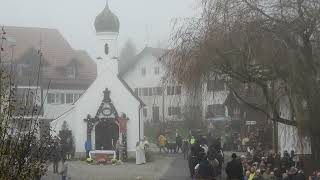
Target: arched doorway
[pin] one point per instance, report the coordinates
(106, 134)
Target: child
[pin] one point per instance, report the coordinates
(64, 170)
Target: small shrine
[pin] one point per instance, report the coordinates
(106, 128)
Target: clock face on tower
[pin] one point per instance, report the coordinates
(106, 111)
(106, 49)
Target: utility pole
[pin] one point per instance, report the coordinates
(163, 106)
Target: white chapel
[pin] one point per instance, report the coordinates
(108, 110)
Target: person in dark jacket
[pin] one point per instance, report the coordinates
(234, 169)
(185, 149)
(294, 174)
(213, 159)
(204, 168)
(192, 161)
(178, 143)
(55, 155)
(285, 161)
(277, 160)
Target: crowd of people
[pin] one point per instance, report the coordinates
(204, 155)
(267, 167)
(254, 162)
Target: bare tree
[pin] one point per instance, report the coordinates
(23, 153)
(272, 45)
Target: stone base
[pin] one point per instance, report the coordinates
(131, 155)
(79, 155)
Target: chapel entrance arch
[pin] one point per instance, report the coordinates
(106, 135)
(106, 127)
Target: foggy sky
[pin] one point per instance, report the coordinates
(75, 18)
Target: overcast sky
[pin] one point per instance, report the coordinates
(144, 21)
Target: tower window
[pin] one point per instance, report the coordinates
(71, 72)
(156, 70)
(145, 112)
(143, 71)
(106, 49)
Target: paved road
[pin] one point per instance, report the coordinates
(78, 170)
(178, 169)
(165, 167)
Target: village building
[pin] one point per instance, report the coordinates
(47, 73)
(164, 99)
(167, 100)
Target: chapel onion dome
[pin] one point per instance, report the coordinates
(106, 21)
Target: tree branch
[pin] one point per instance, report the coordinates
(276, 119)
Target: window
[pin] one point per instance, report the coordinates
(150, 91)
(69, 98)
(23, 125)
(140, 91)
(76, 97)
(54, 98)
(236, 114)
(51, 98)
(26, 96)
(145, 92)
(71, 72)
(106, 49)
(215, 85)
(178, 90)
(156, 70)
(136, 91)
(210, 85)
(159, 91)
(170, 90)
(62, 98)
(72, 97)
(174, 111)
(143, 71)
(215, 110)
(145, 112)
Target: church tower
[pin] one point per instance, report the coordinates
(107, 27)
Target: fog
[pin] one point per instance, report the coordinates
(147, 22)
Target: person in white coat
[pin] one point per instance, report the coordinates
(140, 153)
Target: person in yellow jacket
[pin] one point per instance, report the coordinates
(252, 173)
(162, 142)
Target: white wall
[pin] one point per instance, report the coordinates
(107, 61)
(135, 79)
(288, 135)
(213, 97)
(52, 111)
(89, 104)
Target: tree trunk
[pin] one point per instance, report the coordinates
(275, 137)
(315, 150)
